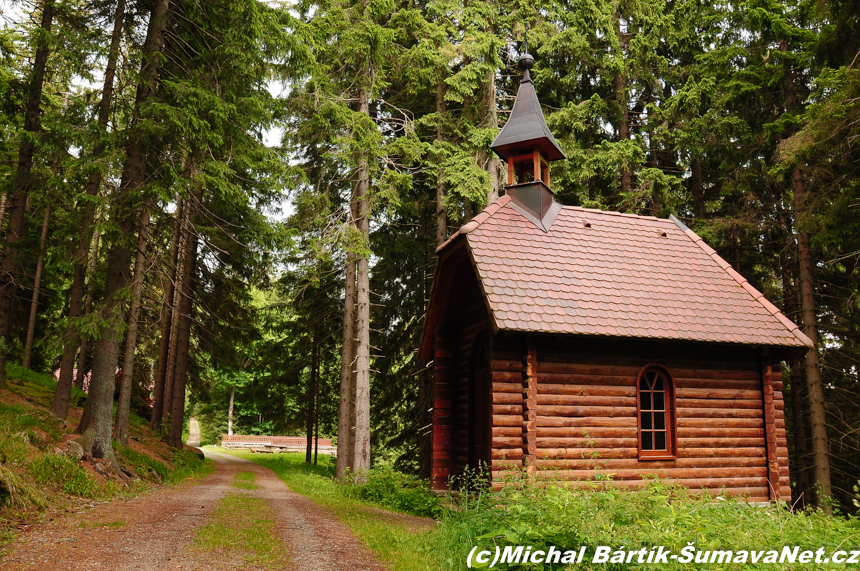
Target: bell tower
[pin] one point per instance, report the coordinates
(527, 145)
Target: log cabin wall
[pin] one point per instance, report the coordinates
(587, 415)
(473, 325)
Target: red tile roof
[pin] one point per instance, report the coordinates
(625, 275)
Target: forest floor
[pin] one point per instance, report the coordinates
(242, 516)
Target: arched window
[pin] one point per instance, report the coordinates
(655, 397)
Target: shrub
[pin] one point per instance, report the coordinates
(63, 473)
(395, 490)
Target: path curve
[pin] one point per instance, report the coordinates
(159, 527)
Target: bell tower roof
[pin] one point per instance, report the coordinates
(526, 129)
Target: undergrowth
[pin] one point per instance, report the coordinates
(34, 474)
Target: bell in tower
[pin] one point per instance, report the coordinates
(527, 145)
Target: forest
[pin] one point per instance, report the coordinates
(221, 209)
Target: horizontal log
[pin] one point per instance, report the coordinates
(586, 421)
(507, 387)
(582, 453)
(721, 452)
(590, 411)
(720, 442)
(508, 431)
(718, 393)
(515, 366)
(506, 464)
(507, 442)
(507, 409)
(587, 390)
(720, 422)
(753, 488)
(578, 379)
(718, 403)
(506, 453)
(710, 474)
(507, 420)
(549, 363)
(507, 377)
(587, 400)
(561, 442)
(591, 464)
(587, 432)
(720, 432)
(684, 412)
(688, 383)
(507, 398)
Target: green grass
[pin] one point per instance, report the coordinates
(245, 481)
(33, 476)
(242, 527)
(399, 545)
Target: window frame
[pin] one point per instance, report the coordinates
(671, 452)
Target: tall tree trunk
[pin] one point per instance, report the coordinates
(186, 306)
(76, 293)
(96, 438)
(2, 211)
(344, 425)
(815, 386)
(801, 435)
(490, 120)
(167, 323)
(173, 340)
(311, 400)
(22, 181)
(697, 188)
(230, 412)
(441, 214)
(121, 425)
(88, 308)
(317, 411)
(37, 283)
(361, 454)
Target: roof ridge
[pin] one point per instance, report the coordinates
(482, 217)
(616, 213)
(756, 294)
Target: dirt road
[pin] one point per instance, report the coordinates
(161, 531)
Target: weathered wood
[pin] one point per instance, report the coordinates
(508, 377)
(585, 379)
(751, 487)
(589, 431)
(586, 400)
(770, 430)
(594, 421)
(514, 365)
(599, 463)
(562, 442)
(757, 451)
(507, 431)
(720, 422)
(507, 420)
(589, 411)
(718, 403)
(581, 453)
(556, 364)
(508, 387)
(711, 474)
(530, 412)
(718, 393)
(683, 412)
(507, 453)
(731, 384)
(513, 409)
(507, 398)
(507, 441)
(590, 390)
(720, 432)
(720, 442)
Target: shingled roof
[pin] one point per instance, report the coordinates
(605, 273)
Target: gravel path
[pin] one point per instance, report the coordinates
(156, 530)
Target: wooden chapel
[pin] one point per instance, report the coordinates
(572, 342)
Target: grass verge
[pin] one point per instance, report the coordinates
(242, 528)
(37, 477)
(401, 544)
